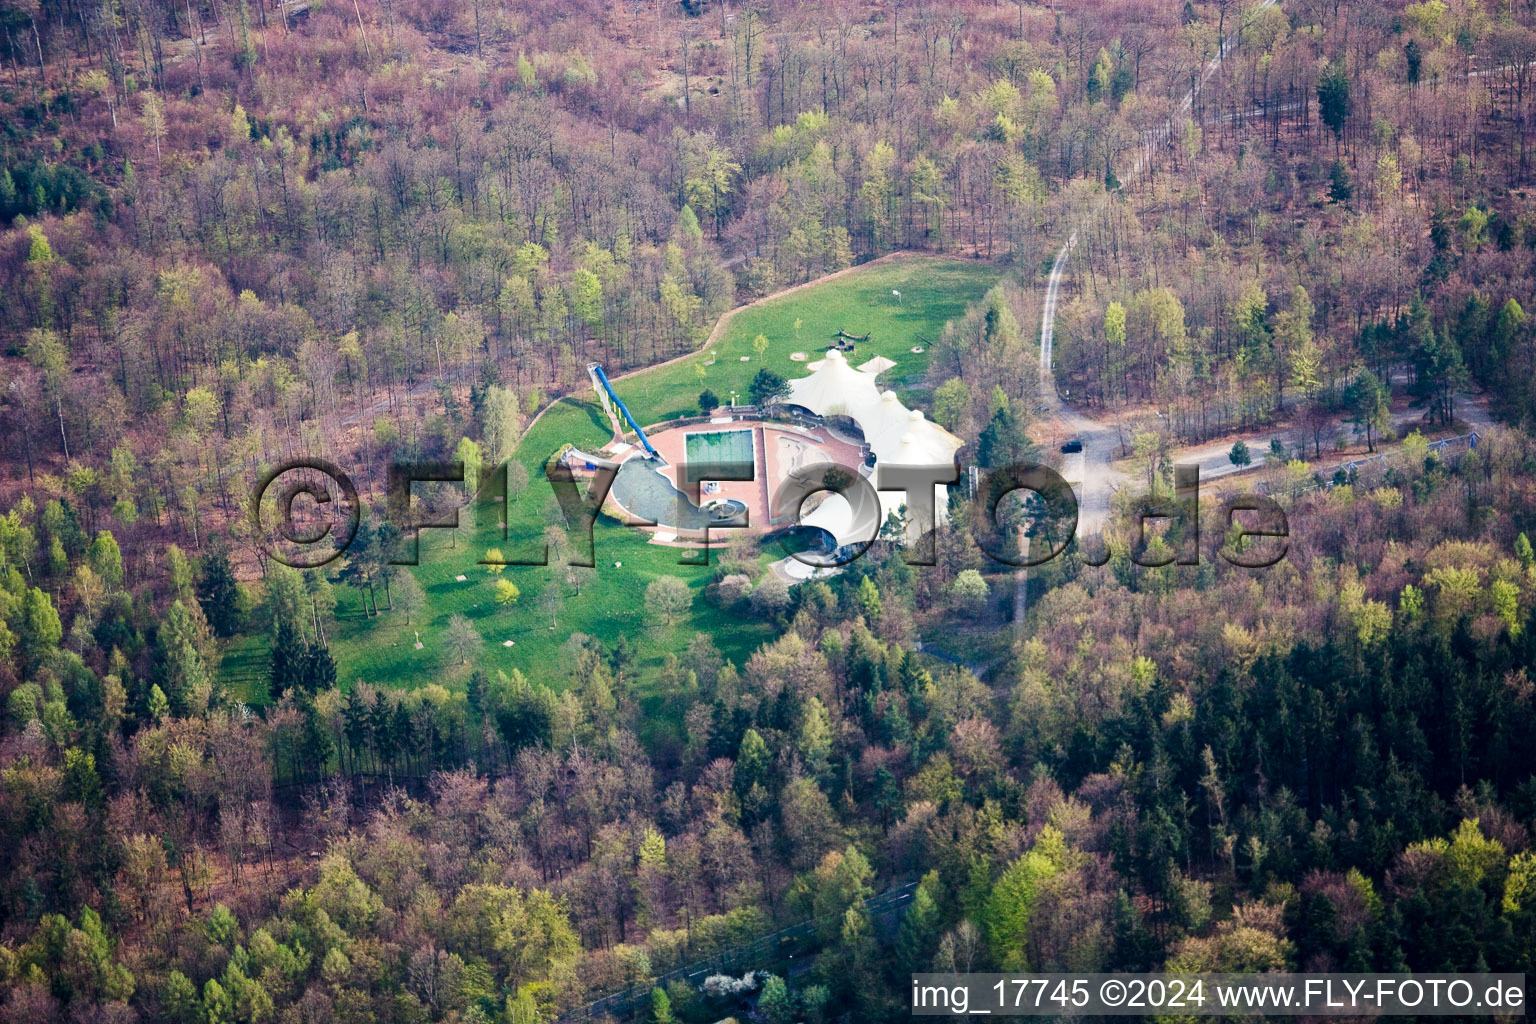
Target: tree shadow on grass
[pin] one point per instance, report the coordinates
(594, 411)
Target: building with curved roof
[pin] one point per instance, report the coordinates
(834, 388)
(897, 436)
(759, 451)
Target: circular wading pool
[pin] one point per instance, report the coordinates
(725, 509)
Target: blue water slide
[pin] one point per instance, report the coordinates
(598, 375)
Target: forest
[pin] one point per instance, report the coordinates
(239, 232)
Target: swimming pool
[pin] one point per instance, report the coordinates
(719, 447)
(642, 492)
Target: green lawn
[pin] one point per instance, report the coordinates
(611, 603)
(933, 292)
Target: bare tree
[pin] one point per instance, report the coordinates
(463, 638)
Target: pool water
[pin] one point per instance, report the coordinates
(643, 492)
(732, 447)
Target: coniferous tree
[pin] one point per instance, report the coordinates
(767, 388)
(319, 669)
(1003, 442)
(1340, 189)
(1439, 372)
(358, 723)
(918, 937)
(1333, 99)
(289, 660)
(661, 1008)
(218, 593)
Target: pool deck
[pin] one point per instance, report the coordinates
(777, 449)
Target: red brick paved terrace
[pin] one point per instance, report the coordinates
(777, 449)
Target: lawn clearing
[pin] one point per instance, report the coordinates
(611, 599)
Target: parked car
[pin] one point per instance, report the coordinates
(1072, 447)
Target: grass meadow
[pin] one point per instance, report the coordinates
(611, 600)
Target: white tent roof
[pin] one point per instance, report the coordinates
(836, 389)
(835, 515)
(923, 443)
(877, 365)
(883, 424)
(905, 437)
(898, 436)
